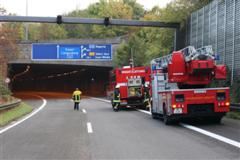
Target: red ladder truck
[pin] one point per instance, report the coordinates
(179, 86)
(131, 81)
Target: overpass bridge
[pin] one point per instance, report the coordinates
(64, 75)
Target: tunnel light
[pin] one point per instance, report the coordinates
(21, 73)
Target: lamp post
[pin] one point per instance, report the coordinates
(26, 25)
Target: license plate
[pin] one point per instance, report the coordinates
(123, 103)
(177, 111)
(199, 91)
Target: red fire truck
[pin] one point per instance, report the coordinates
(131, 82)
(179, 86)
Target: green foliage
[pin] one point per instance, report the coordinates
(149, 43)
(78, 31)
(234, 88)
(52, 31)
(14, 113)
(233, 115)
(137, 8)
(4, 90)
(14, 30)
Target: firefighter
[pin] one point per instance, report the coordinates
(76, 98)
(116, 98)
(146, 96)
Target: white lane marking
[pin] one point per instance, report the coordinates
(84, 111)
(26, 117)
(147, 112)
(89, 127)
(213, 135)
(103, 100)
(207, 133)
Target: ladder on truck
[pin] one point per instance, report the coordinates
(189, 52)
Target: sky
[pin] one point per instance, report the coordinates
(58, 7)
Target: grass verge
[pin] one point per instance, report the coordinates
(12, 114)
(233, 115)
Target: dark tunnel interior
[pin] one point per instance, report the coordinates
(60, 78)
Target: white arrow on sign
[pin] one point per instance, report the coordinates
(58, 51)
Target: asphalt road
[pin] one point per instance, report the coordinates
(59, 132)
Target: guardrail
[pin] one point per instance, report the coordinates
(235, 107)
(10, 105)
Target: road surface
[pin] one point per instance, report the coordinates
(96, 132)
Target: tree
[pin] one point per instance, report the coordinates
(78, 31)
(138, 10)
(9, 34)
(52, 31)
(154, 42)
(111, 9)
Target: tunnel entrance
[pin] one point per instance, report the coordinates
(91, 80)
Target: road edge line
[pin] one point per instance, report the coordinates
(196, 129)
(27, 116)
(212, 135)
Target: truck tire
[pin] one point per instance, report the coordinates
(216, 120)
(166, 120)
(155, 116)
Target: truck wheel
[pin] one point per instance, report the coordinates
(155, 116)
(166, 120)
(216, 120)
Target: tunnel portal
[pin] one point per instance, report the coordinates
(90, 80)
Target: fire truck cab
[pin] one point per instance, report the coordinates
(132, 82)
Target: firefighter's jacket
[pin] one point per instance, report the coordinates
(146, 94)
(76, 96)
(116, 95)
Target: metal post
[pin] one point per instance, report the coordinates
(203, 24)
(197, 32)
(132, 65)
(216, 43)
(191, 31)
(233, 57)
(26, 25)
(225, 21)
(209, 36)
(176, 39)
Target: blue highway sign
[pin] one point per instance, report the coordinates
(41, 51)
